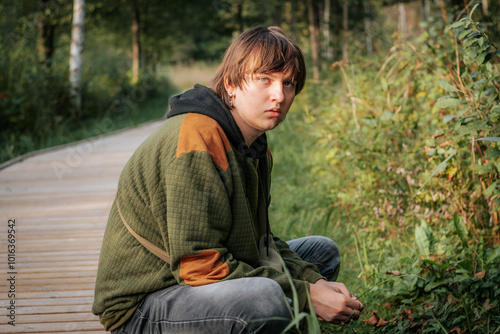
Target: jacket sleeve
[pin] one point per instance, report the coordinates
(298, 268)
(198, 220)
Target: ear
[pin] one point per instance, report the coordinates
(227, 85)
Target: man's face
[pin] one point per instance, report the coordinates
(262, 103)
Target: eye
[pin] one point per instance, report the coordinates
(263, 79)
(288, 83)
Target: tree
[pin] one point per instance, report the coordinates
(136, 42)
(402, 20)
(345, 29)
(426, 9)
(314, 35)
(75, 59)
(484, 4)
(367, 27)
(327, 11)
(45, 33)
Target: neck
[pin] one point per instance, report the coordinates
(249, 135)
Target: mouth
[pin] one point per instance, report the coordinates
(276, 112)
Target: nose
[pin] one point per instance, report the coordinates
(277, 94)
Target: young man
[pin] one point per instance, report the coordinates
(198, 190)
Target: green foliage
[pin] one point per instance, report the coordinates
(424, 239)
(474, 122)
(34, 97)
(404, 160)
(455, 290)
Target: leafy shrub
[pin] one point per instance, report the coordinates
(454, 287)
(405, 159)
(34, 98)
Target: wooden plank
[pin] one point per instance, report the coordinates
(54, 288)
(67, 302)
(29, 267)
(53, 301)
(67, 275)
(61, 317)
(53, 294)
(27, 270)
(51, 253)
(69, 287)
(55, 281)
(80, 332)
(50, 310)
(63, 327)
(61, 258)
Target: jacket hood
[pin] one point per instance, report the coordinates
(203, 100)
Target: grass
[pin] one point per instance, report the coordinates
(185, 76)
(300, 204)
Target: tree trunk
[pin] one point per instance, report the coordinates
(314, 32)
(402, 20)
(45, 34)
(239, 17)
(75, 59)
(427, 9)
(485, 7)
(368, 28)
(327, 30)
(277, 13)
(336, 23)
(345, 30)
(293, 20)
(136, 43)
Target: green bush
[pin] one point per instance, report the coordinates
(35, 104)
(403, 157)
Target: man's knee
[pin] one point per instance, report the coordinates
(320, 251)
(266, 295)
(270, 312)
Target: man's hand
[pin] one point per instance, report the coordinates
(334, 303)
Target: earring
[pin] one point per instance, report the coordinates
(231, 100)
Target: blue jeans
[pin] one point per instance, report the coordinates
(233, 306)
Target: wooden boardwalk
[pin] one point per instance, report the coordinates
(57, 203)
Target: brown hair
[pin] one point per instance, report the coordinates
(259, 50)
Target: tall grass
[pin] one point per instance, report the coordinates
(300, 203)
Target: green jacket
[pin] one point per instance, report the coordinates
(192, 189)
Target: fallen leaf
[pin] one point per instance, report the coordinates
(452, 300)
(381, 322)
(393, 272)
(408, 313)
(373, 320)
(487, 305)
(480, 274)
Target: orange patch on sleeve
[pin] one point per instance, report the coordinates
(202, 133)
(203, 268)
